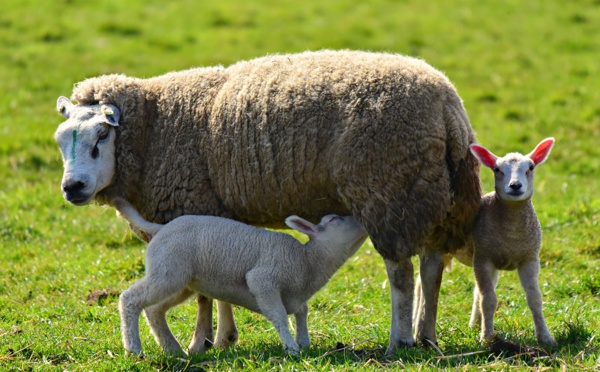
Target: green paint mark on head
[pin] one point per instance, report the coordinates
(73, 146)
(75, 133)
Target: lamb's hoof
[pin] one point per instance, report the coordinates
(134, 353)
(547, 340)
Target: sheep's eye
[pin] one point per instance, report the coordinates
(531, 168)
(496, 170)
(103, 136)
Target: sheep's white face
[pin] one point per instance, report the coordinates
(87, 145)
(513, 176)
(513, 173)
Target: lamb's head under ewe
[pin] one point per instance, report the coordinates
(279, 274)
(87, 145)
(513, 173)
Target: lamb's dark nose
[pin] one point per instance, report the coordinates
(515, 185)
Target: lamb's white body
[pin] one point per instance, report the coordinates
(270, 273)
(506, 235)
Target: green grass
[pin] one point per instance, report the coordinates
(526, 71)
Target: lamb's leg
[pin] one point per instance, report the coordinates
(476, 309)
(418, 302)
(528, 275)
(202, 339)
(301, 316)
(485, 274)
(142, 294)
(401, 277)
(227, 333)
(271, 306)
(431, 269)
(156, 316)
(476, 316)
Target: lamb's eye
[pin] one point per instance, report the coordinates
(103, 136)
(496, 169)
(531, 168)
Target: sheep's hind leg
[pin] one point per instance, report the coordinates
(401, 277)
(139, 296)
(528, 275)
(476, 308)
(227, 333)
(202, 339)
(156, 316)
(301, 316)
(430, 273)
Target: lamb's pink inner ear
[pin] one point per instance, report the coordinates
(484, 155)
(541, 151)
(301, 225)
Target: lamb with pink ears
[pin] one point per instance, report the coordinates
(507, 236)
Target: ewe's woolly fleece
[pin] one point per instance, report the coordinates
(382, 136)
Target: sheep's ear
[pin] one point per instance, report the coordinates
(302, 225)
(541, 151)
(484, 155)
(111, 114)
(63, 105)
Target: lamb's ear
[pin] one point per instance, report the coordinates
(541, 151)
(302, 225)
(111, 114)
(484, 155)
(63, 105)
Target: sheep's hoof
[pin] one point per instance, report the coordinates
(134, 353)
(227, 341)
(202, 348)
(397, 346)
(547, 340)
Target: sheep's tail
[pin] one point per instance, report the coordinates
(128, 211)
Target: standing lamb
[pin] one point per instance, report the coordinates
(267, 272)
(380, 136)
(506, 236)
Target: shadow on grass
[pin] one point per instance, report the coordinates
(575, 340)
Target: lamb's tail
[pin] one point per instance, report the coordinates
(128, 211)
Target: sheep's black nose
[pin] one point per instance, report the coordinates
(73, 187)
(515, 185)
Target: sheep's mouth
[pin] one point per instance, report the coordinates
(78, 200)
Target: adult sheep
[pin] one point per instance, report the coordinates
(382, 136)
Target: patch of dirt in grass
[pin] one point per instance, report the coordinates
(101, 296)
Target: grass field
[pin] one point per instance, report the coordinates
(526, 71)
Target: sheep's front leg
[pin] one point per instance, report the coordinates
(142, 294)
(486, 278)
(431, 269)
(202, 339)
(302, 338)
(156, 317)
(271, 306)
(227, 333)
(401, 277)
(528, 275)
